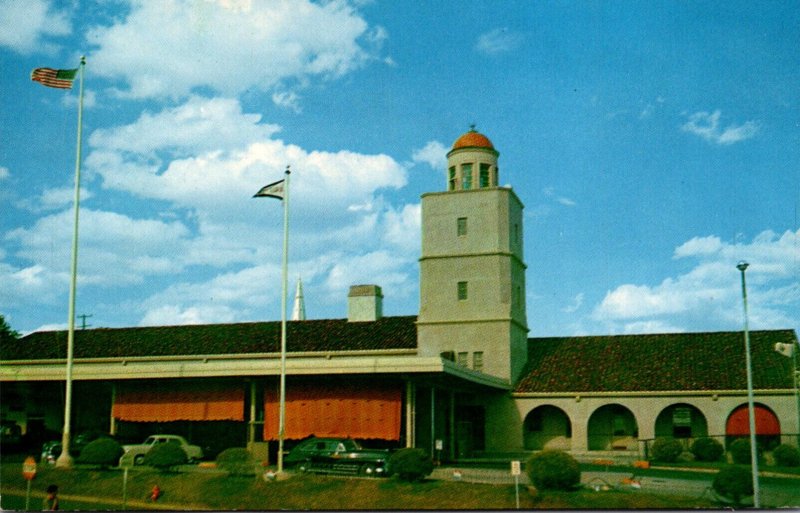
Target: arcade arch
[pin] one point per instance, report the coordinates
(612, 427)
(547, 427)
(681, 420)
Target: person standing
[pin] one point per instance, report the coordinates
(51, 501)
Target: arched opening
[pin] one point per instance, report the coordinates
(547, 427)
(682, 421)
(612, 428)
(768, 428)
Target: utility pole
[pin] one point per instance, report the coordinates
(83, 320)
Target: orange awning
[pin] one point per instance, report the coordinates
(356, 410)
(739, 422)
(170, 402)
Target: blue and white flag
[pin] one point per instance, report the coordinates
(273, 190)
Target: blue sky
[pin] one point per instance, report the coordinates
(653, 144)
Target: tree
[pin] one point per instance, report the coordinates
(6, 333)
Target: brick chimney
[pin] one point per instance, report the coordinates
(364, 303)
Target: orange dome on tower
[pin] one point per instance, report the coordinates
(473, 139)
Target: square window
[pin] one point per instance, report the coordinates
(451, 182)
(461, 226)
(462, 359)
(463, 291)
(477, 360)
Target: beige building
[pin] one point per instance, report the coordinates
(462, 379)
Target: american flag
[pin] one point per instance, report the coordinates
(58, 78)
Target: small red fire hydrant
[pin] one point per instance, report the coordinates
(155, 493)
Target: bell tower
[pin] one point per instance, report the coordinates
(472, 273)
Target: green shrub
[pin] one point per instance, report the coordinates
(410, 464)
(707, 449)
(237, 461)
(667, 450)
(553, 470)
(786, 456)
(165, 456)
(740, 451)
(734, 483)
(105, 452)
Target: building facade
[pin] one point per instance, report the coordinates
(462, 379)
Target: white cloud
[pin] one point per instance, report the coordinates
(710, 293)
(403, 228)
(114, 249)
(197, 125)
(434, 154)
(255, 45)
(499, 40)
(26, 25)
(699, 246)
(577, 302)
(4, 173)
(707, 126)
(208, 156)
(35, 284)
(288, 100)
(54, 199)
(550, 193)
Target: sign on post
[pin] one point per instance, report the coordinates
(516, 470)
(28, 472)
(29, 468)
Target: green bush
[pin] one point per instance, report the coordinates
(165, 456)
(105, 452)
(410, 464)
(553, 470)
(786, 456)
(740, 451)
(666, 450)
(734, 483)
(707, 449)
(237, 461)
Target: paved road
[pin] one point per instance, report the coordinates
(784, 493)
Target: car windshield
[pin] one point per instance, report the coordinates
(349, 445)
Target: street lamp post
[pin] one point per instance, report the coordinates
(742, 266)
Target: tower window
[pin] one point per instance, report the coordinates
(466, 176)
(461, 226)
(462, 359)
(477, 360)
(484, 176)
(463, 292)
(451, 182)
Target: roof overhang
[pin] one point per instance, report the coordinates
(647, 393)
(401, 362)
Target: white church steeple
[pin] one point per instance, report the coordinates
(299, 310)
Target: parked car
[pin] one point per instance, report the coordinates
(83, 439)
(50, 452)
(135, 453)
(10, 434)
(338, 455)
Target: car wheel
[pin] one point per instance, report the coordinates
(138, 459)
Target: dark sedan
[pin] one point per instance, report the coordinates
(338, 456)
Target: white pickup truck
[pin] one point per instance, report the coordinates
(135, 453)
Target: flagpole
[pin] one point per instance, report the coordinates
(282, 410)
(65, 460)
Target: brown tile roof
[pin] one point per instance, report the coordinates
(680, 361)
(213, 339)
